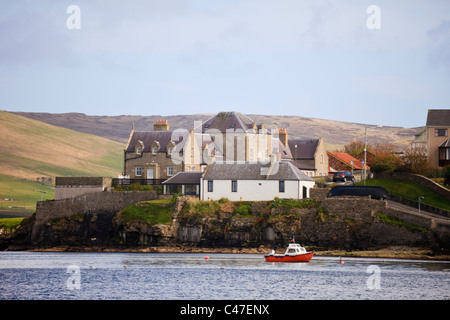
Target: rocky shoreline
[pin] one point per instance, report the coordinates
(389, 252)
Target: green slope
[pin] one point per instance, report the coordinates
(31, 150)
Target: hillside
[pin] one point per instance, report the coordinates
(32, 153)
(335, 133)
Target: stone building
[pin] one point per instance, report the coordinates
(160, 154)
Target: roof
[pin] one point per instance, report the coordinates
(445, 144)
(301, 165)
(228, 120)
(148, 137)
(306, 148)
(347, 159)
(184, 177)
(438, 118)
(248, 171)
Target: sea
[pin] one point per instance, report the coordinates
(66, 276)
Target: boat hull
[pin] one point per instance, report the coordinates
(304, 257)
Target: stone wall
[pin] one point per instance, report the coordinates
(71, 187)
(99, 203)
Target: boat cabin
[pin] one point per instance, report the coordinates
(294, 248)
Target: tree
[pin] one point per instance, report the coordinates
(416, 159)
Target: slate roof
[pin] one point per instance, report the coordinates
(228, 120)
(183, 177)
(438, 118)
(247, 171)
(306, 148)
(147, 138)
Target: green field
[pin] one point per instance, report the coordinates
(32, 151)
(410, 191)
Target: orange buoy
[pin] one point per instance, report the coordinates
(341, 261)
(206, 258)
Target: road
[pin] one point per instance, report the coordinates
(402, 207)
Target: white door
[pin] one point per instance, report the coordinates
(149, 173)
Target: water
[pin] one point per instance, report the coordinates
(153, 276)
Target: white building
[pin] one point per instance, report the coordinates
(254, 182)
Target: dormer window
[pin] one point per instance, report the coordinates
(154, 150)
(138, 150)
(170, 151)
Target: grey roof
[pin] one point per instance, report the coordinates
(184, 177)
(228, 120)
(438, 118)
(246, 171)
(302, 165)
(147, 138)
(306, 148)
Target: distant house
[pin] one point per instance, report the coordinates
(342, 161)
(254, 182)
(311, 153)
(436, 135)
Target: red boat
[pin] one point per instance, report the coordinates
(294, 253)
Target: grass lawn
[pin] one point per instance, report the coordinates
(152, 212)
(9, 224)
(23, 194)
(410, 191)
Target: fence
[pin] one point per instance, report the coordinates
(142, 182)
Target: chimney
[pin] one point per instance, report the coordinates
(283, 136)
(161, 125)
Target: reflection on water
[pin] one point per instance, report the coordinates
(32, 275)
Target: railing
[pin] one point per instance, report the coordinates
(142, 182)
(423, 206)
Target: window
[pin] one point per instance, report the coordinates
(170, 151)
(138, 150)
(210, 186)
(233, 186)
(281, 186)
(170, 171)
(440, 132)
(155, 150)
(138, 171)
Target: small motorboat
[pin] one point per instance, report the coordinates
(294, 253)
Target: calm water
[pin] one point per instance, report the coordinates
(92, 276)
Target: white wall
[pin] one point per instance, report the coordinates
(254, 190)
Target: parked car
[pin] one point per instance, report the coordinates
(343, 176)
(379, 193)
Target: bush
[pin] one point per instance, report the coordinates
(243, 210)
(294, 203)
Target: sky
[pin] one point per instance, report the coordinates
(374, 62)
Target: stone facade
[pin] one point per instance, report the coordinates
(70, 187)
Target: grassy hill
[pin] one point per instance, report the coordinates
(335, 133)
(32, 153)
